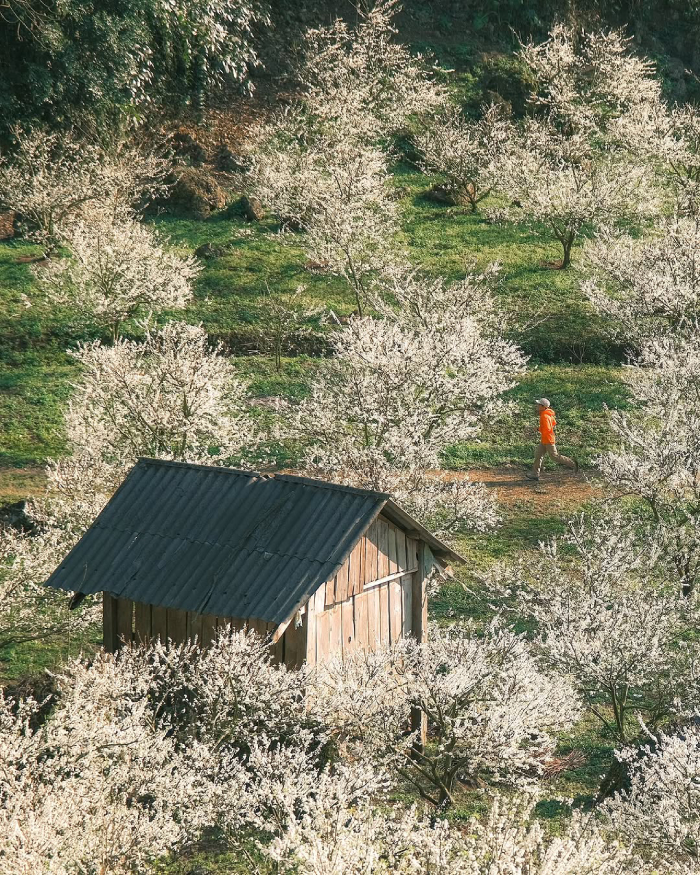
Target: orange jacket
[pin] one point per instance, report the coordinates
(547, 423)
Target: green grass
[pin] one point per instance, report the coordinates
(581, 396)
(27, 661)
(230, 300)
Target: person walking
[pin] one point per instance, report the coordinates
(548, 445)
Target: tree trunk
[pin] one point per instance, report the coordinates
(566, 245)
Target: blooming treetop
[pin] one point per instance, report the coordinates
(361, 81)
(53, 178)
(336, 189)
(658, 459)
(562, 182)
(658, 815)
(587, 82)
(399, 390)
(170, 396)
(603, 623)
(648, 285)
(96, 787)
(465, 152)
(117, 268)
(668, 138)
(490, 707)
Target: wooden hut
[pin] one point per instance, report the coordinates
(182, 550)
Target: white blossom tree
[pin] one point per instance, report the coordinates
(170, 396)
(50, 179)
(603, 622)
(117, 269)
(657, 459)
(335, 189)
(95, 787)
(508, 840)
(491, 709)
(570, 166)
(400, 389)
(658, 815)
(590, 83)
(648, 285)
(322, 167)
(133, 759)
(360, 80)
(465, 152)
(567, 184)
(668, 138)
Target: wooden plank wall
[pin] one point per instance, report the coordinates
(384, 550)
(127, 622)
(371, 619)
(354, 611)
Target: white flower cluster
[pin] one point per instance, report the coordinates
(400, 389)
(137, 753)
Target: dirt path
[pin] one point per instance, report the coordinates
(557, 492)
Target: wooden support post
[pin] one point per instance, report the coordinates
(419, 630)
(125, 622)
(109, 623)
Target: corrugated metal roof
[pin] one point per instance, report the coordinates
(221, 541)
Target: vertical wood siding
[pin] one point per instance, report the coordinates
(384, 550)
(357, 609)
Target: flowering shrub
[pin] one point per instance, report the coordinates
(603, 622)
(52, 179)
(490, 709)
(648, 285)
(658, 815)
(117, 268)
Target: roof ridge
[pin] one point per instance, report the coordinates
(148, 460)
(327, 484)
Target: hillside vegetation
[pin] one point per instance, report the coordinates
(365, 269)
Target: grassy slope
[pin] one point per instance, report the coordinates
(36, 373)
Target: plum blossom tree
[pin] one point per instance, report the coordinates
(95, 787)
(604, 623)
(399, 390)
(118, 268)
(669, 138)
(321, 167)
(570, 165)
(490, 708)
(466, 153)
(589, 83)
(170, 396)
(363, 82)
(52, 178)
(658, 815)
(358, 839)
(657, 459)
(335, 188)
(649, 285)
(563, 182)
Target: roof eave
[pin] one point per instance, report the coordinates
(408, 523)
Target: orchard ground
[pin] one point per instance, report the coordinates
(571, 361)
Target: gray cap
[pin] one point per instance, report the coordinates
(543, 401)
